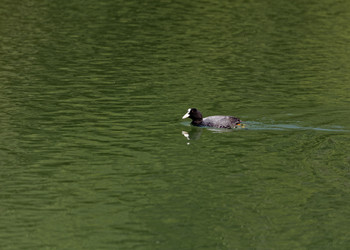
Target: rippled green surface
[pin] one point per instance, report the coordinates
(92, 148)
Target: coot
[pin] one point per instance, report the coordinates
(217, 121)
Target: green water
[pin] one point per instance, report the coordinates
(93, 153)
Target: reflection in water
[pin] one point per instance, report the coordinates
(194, 134)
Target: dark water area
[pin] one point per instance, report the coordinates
(94, 153)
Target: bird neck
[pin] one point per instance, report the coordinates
(197, 121)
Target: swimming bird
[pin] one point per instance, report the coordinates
(217, 121)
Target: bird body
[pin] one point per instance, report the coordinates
(217, 121)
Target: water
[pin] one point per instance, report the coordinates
(93, 152)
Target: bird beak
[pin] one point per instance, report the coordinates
(186, 115)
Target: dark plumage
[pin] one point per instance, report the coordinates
(217, 121)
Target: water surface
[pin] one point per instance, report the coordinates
(92, 149)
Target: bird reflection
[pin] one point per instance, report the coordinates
(194, 134)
